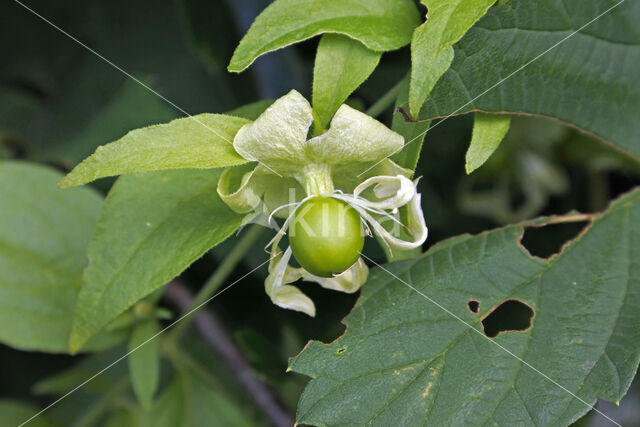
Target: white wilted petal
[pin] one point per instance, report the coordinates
(348, 281)
(281, 294)
(292, 298)
(415, 226)
(247, 196)
(278, 137)
(394, 191)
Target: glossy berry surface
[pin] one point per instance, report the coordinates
(326, 236)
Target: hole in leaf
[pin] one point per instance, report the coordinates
(341, 350)
(548, 240)
(510, 316)
(474, 305)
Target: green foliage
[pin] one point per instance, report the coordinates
(432, 43)
(203, 141)
(413, 132)
(13, 412)
(342, 64)
(66, 380)
(152, 227)
(44, 234)
(587, 80)
(193, 399)
(409, 352)
(381, 25)
(488, 132)
(81, 273)
(144, 361)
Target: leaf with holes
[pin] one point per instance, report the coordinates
(151, 228)
(204, 141)
(587, 79)
(381, 25)
(415, 352)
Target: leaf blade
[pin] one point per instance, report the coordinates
(348, 60)
(44, 233)
(546, 69)
(151, 228)
(488, 132)
(413, 132)
(432, 43)
(425, 359)
(381, 25)
(144, 361)
(203, 141)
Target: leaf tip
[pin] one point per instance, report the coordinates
(236, 65)
(470, 167)
(415, 104)
(66, 182)
(76, 341)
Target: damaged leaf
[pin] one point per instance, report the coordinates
(415, 354)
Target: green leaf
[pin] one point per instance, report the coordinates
(204, 141)
(122, 418)
(62, 382)
(527, 60)
(404, 360)
(342, 64)
(151, 228)
(381, 25)
(144, 361)
(13, 413)
(432, 43)
(413, 132)
(44, 233)
(488, 132)
(194, 400)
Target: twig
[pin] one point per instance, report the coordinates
(218, 339)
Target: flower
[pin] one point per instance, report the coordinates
(348, 162)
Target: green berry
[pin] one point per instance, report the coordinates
(326, 236)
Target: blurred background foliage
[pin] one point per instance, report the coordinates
(59, 101)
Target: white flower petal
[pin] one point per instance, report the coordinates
(354, 137)
(348, 281)
(247, 196)
(395, 191)
(292, 298)
(415, 226)
(278, 137)
(347, 177)
(281, 294)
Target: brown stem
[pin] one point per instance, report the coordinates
(213, 332)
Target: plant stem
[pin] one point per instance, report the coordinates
(215, 335)
(220, 275)
(385, 101)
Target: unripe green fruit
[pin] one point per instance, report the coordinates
(326, 236)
